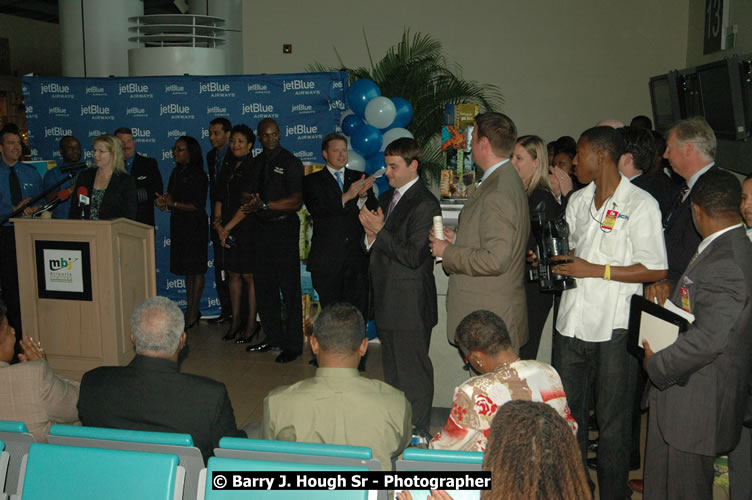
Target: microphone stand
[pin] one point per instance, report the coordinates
(72, 171)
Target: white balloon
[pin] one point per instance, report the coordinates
(355, 161)
(380, 112)
(393, 134)
(347, 113)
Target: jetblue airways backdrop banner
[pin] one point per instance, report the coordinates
(307, 106)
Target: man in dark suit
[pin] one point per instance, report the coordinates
(401, 273)
(150, 394)
(690, 149)
(636, 162)
(146, 174)
(699, 383)
(216, 159)
(334, 196)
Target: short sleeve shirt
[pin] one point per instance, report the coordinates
(625, 231)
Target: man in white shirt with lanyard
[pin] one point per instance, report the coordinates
(617, 242)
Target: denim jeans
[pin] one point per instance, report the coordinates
(610, 372)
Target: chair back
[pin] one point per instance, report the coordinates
(291, 451)
(62, 472)
(17, 439)
(234, 464)
(125, 439)
(421, 459)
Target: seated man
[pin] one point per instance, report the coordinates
(338, 406)
(150, 394)
(30, 391)
(482, 337)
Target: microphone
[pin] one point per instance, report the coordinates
(60, 197)
(83, 200)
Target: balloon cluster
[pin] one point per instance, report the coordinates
(372, 122)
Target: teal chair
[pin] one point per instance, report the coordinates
(291, 451)
(54, 472)
(17, 439)
(124, 439)
(421, 459)
(207, 492)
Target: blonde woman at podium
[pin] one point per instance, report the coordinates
(106, 191)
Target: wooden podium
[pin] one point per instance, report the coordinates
(81, 334)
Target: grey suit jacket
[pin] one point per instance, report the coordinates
(32, 393)
(401, 266)
(700, 382)
(486, 264)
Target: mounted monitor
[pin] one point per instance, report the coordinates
(664, 97)
(721, 91)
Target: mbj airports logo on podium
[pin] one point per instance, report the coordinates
(63, 271)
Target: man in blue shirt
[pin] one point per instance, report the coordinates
(19, 183)
(70, 153)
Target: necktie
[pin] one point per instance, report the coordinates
(677, 202)
(338, 176)
(217, 165)
(393, 203)
(15, 187)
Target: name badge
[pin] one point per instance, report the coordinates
(279, 170)
(610, 220)
(685, 299)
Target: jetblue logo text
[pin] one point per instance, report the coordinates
(213, 87)
(57, 131)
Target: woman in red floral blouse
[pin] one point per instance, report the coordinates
(482, 336)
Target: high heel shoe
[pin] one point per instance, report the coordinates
(231, 333)
(192, 323)
(247, 340)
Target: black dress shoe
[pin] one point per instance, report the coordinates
(262, 347)
(593, 446)
(221, 319)
(287, 356)
(592, 463)
(250, 337)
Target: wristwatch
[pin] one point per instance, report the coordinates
(266, 206)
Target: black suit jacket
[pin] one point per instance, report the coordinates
(401, 265)
(700, 382)
(681, 238)
(211, 158)
(150, 394)
(337, 232)
(119, 199)
(145, 172)
(661, 187)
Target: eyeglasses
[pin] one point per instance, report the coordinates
(468, 366)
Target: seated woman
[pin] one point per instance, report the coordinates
(482, 336)
(110, 190)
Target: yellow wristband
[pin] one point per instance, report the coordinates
(607, 273)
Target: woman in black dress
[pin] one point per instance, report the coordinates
(189, 235)
(236, 185)
(530, 160)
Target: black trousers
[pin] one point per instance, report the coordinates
(404, 354)
(9, 278)
(349, 284)
(278, 271)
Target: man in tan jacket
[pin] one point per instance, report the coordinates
(485, 258)
(30, 391)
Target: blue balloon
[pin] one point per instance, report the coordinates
(366, 140)
(375, 162)
(351, 123)
(404, 112)
(359, 93)
(382, 183)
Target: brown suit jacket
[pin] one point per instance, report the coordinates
(486, 264)
(32, 393)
